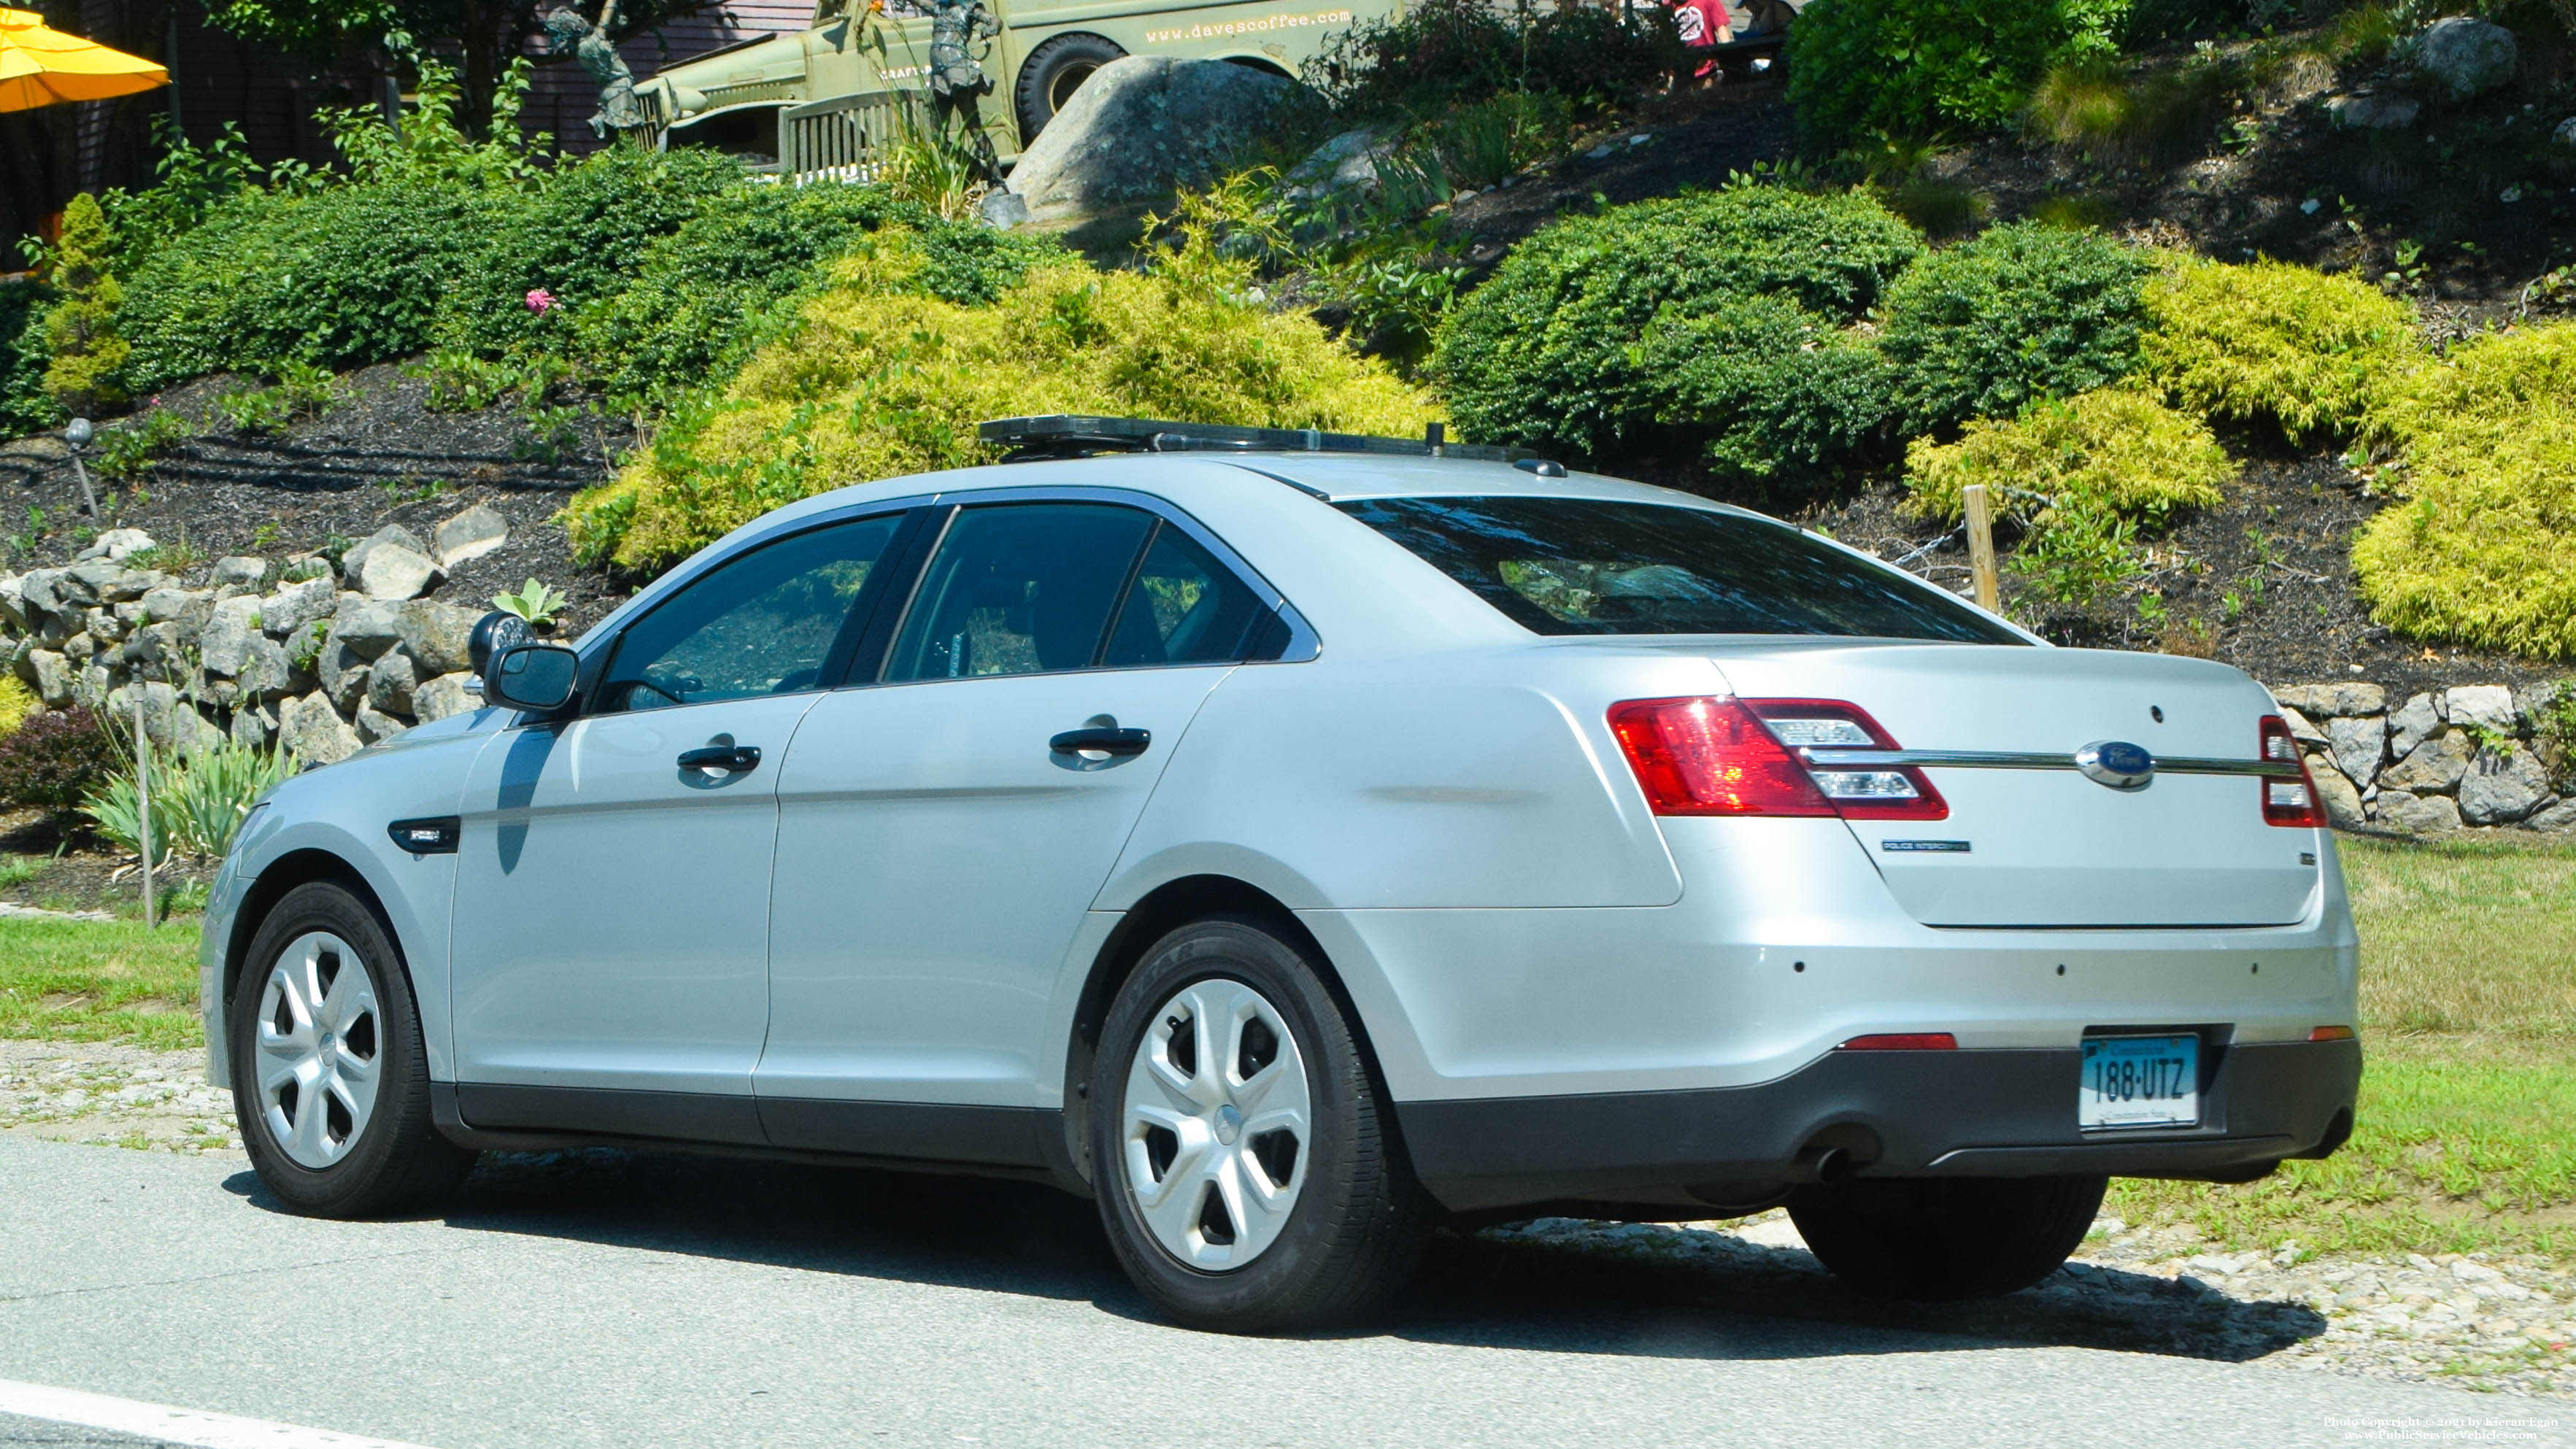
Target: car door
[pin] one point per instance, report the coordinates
(612, 896)
(943, 828)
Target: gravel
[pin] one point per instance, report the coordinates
(118, 1096)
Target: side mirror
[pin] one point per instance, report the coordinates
(493, 633)
(536, 677)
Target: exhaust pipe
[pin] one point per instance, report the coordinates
(1820, 1164)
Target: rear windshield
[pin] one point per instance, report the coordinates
(1593, 566)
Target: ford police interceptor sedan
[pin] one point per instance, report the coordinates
(1290, 841)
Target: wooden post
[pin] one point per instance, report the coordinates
(143, 804)
(1981, 547)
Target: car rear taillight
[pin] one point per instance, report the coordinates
(1902, 1041)
(2290, 797)
(1710, 756)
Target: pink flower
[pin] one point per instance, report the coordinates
(540, 300)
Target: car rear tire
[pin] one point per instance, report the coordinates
(1248, 1176)
(330, 1080)
(1946, 1238)
(1052, 73)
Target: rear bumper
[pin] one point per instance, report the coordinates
(1978, 1113)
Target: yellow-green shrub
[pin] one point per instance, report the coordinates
(878, 381)
(16, 703)
(2267, 339)
(2484, 551)
(2115, 448)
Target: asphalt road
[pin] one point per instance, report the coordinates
(636, 1301)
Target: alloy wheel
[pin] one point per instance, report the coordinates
(317, 1050)
(1217, 1122)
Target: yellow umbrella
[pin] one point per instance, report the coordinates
(41, 66)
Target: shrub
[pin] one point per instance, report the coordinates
(1779, 391)
(85, 356)
(24, 407)
(1445, 53)
(16, 703)
(1917, 68)
(200, 797)
(2269, 340)
(878, 379)
(2134, 115)
(2485, 550)
(1541, 354)
(55, 759)
(2117, 450)
(2024, 311)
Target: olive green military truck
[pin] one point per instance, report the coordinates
(818, 102)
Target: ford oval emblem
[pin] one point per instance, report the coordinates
(2118, 764)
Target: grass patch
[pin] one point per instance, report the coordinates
(99, 981)
(2468, 990)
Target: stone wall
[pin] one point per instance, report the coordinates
(2473, 754)
(319, 655)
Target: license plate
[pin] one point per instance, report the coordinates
(2139, 1081)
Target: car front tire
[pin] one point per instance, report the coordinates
(330, 1080)
(1245, 1162)
(1946, 1238)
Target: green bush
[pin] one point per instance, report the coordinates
(2484, 551)
(85, 356)
(2269, 340)
(55, 759)
(2117, 450)
(702, 297)
(1860, 69)
(1544, 354)
(1779, 391)
(1441, 54)
(24, 408)
(2024, 311)
(2128, 114)
(878, 379)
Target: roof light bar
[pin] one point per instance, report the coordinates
(1062, 435)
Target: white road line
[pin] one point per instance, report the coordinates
(176, 1426)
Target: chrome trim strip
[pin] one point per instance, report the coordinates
(2010, 760)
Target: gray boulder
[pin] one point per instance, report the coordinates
(1349, 161)
(239, 570)
(312, 731)
(230, 627)
(2416, 814)
(471, 534)
(2486, 706)
(2300, 729)
(253, 726)
(390, 683)
(2561, 816)
(1140, 128)
(2434, 767)
(2342, 801)
(394, 572)
(2412, 725)
(2565, 135)
(365, 628)
(288, 612)
(2327, 701)
(115, 544)
(435, 636)
(2502, 788)
(2360, 744)
(2463, 56)
(50, 675)
(266, 672)
(375, 726)
(438, 698)
(355, 558)
(2374, 111)
(168, 717)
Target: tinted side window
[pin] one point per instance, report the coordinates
(1593, 566)
(1019, 588)
(1184, 608)
(763, 623)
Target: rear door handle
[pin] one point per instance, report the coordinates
(722, 759)
(1102, 741)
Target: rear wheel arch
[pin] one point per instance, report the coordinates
(1152, 917)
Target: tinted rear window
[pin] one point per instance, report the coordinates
(1593, 566)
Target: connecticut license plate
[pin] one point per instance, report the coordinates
(2139, 1081)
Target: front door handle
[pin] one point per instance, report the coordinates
(722, 759)
(1102, 741)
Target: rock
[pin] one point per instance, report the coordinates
(266, 672)
(312, 731)
(56, 590)
(2465, 57)
(178, 606)
(107, 626)
(79, 647)
(51, 677)
(2561, 816)
(1139, 128)
(2300, 730)
(161, 648)
(291, 610)
(436, 636)
(2327, 701)
(115, 544)
(2416, 814)
(438, 698)
(2565, 135)
(254, 726)
(2412, 725)
(13, 603)
(2503, 788)
(112, 583)
(376, 727)
(2360, 745)
(1003, 210)
(365, 627)
(2487, 706)
(342, 673)
(393, 533)
(2434, 767)
(471, 534)
(390, 683)
(394, 572)
(2342, 801)
(171, 721)
(2529, 702)
(1348, 161)
(240, 570)
(230, 627)
(2372, 111)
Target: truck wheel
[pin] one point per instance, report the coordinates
(1949, 1237)
(330, 1082)
(1052, 73)
(1244, 1161)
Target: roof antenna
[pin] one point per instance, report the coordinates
(1435, 436)
(1314, 440)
